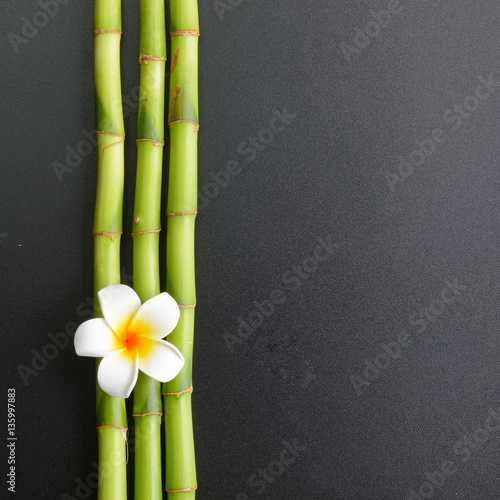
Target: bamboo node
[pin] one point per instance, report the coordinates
(185, 33)
(189, 306)
(159, 413)
(108, 133)
(175, 95)
(148, 231)
(123, 431)
(154, 141)
(145, 58)
(111, 145)
(184, 490)
(110, 425)
(175, 214)
(197, 125)
(106, 233)
(190, 390)
(103, 31)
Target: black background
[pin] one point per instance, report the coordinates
(320, 177)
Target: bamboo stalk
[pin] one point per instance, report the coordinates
(180, 477)
(147, 217)
(107, 229)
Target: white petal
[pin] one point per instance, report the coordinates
(157, 317)
(118, 303)
(159, 359)
(118, 373)
(95, 338)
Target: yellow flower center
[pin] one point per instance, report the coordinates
(133, 340)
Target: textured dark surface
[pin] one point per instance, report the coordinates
(392, 251)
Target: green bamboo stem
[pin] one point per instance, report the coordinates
(147, 217)
(180, 477)
(111, 414)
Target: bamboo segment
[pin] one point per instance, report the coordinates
(147, 217)
(180, 477)
(107, 229)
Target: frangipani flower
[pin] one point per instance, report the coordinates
(129, 339)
